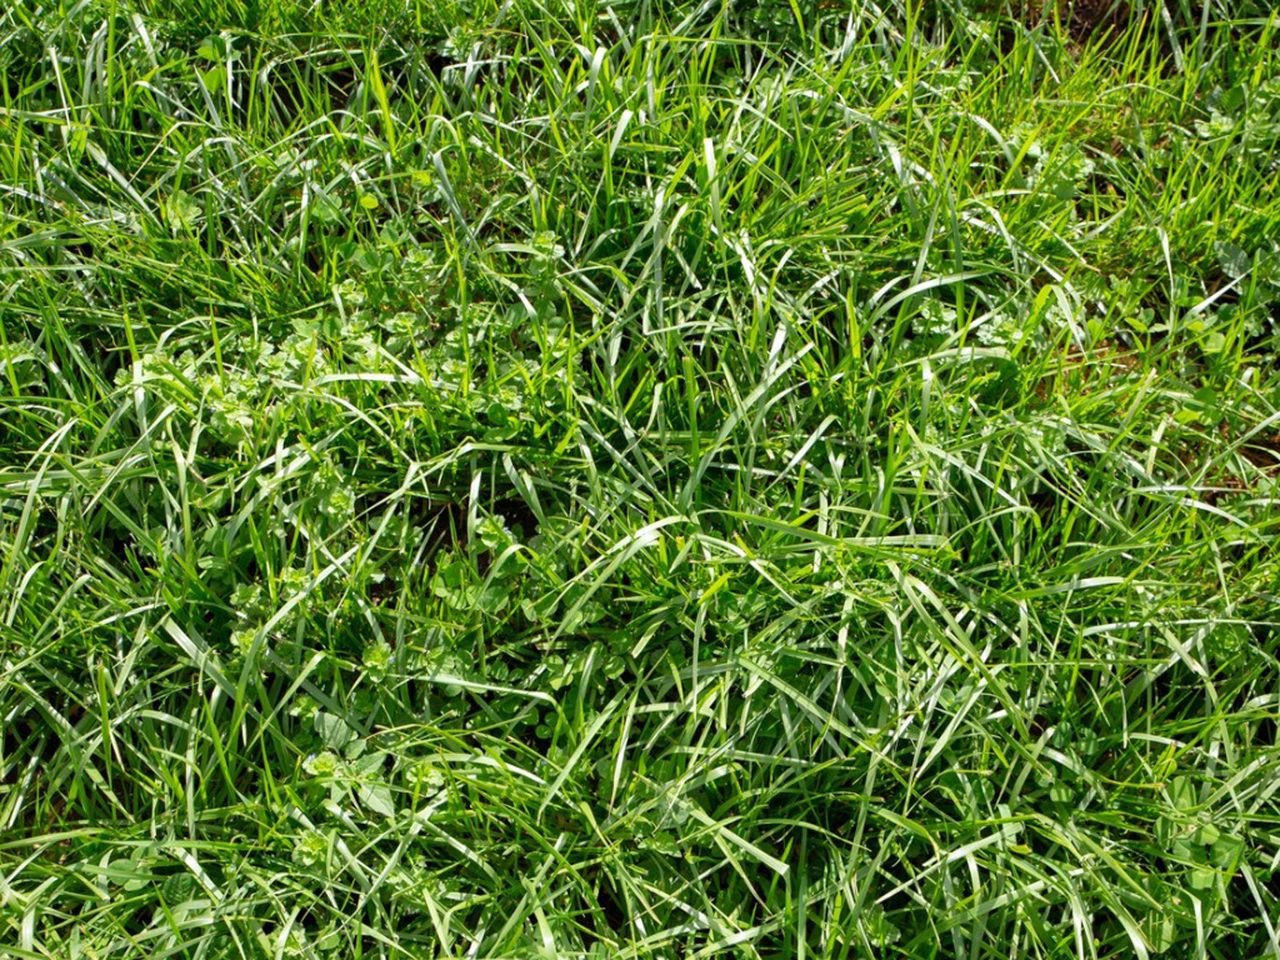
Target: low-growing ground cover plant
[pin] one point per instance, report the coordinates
(638, 478)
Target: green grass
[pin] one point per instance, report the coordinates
(637, 478)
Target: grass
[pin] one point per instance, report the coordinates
(642, 479)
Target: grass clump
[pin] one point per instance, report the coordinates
(637, 479)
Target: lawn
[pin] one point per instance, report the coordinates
(639, 479)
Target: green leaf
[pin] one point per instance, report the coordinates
(1201, 878)
(1206, 834)
(214, 79)
(377, 798)
(1234, 261)
(181, 211)
(1186, 850)
(1161, 932)
(492, 598)
(1213, 342)
(212, 48)
(1226, 851)
(324, 209)
(371, 765)
(1182, 794)
(333, 730)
